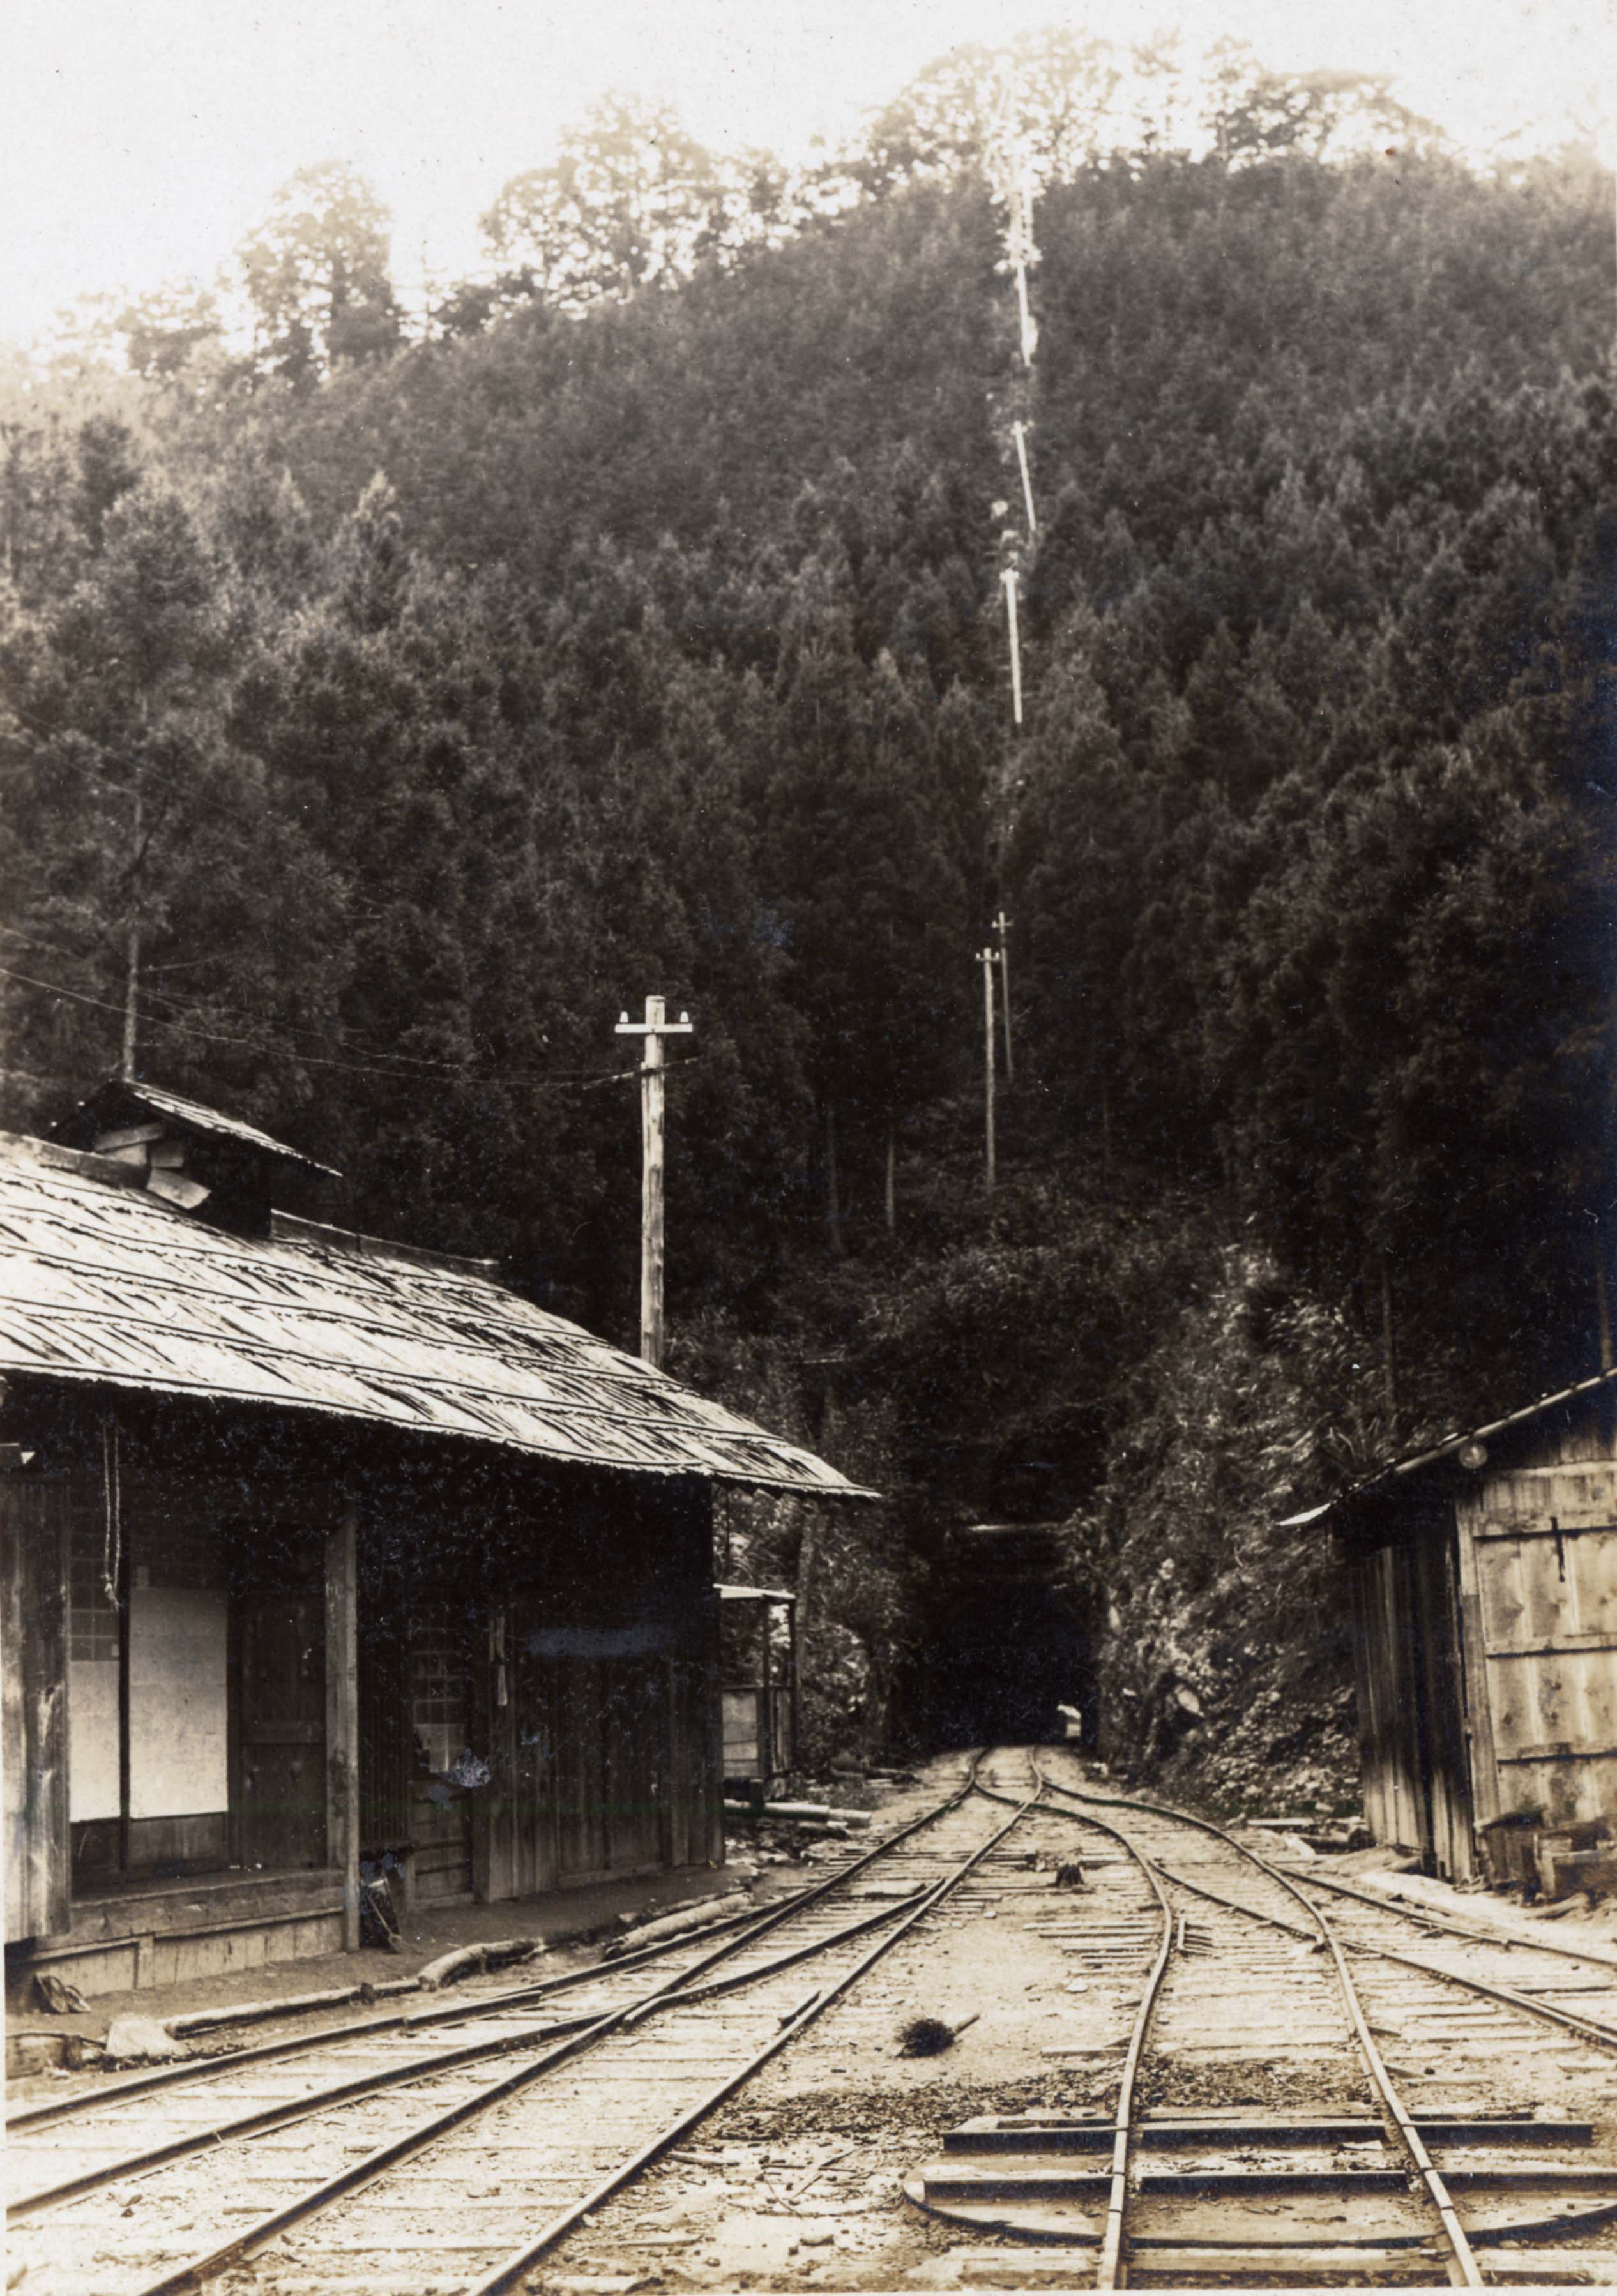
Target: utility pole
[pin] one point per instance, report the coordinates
(1389, 1342)
(1002, 926)
(125, 1065)
(654, 1027)
(1020, 247)
(135, 880)
(987, 959)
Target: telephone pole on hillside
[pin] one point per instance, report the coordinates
(127, 1051)
(988, 958)
(1002, 926)
(654, 1027)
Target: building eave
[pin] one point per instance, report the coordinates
(102, 1285)
(1388, 1477)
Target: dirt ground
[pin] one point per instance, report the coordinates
(799, 2182)
(798, 2185)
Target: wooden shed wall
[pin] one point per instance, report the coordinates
(1538, 1547)
(584, 1623)
(603, 1749)
(1413, 1744)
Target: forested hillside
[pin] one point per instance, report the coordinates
(402, 700)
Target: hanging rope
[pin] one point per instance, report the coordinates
(112, 1541)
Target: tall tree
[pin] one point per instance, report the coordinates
(316, 273)
(631, 201)
(177, 918)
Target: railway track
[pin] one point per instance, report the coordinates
(1254, 2127)
(1247, 2079)
(1563, 1985)
(66, 2146)
(1408, 2080)
(459, 2160)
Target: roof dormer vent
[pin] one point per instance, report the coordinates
(192, 1156)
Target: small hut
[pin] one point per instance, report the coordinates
(758, 1632)
(319, 1552)
(1483, 1575)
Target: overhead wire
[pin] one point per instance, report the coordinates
(542, 1079)
(410, 1064)
(418, 1064)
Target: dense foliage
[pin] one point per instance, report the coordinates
(405, 703)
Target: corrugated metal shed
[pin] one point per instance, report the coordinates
(101, 1283)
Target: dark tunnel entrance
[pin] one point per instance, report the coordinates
(1008, 1643)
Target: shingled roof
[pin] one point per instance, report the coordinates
(101, 1283)
(118, 1100)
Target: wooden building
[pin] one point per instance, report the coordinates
(317, 1550)
(1483, 1576)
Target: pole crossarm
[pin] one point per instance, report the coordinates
(683, 1027)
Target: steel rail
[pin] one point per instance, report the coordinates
(1429, 1917)
(306, 2107)
(1463, 2270)
(1111, 2268)
(679, 1991)
(452, 2012)
(571, 2043)
(1585, 2029)
(756, 1921)
(1586, 2218)
(511, 2268)
(336, 2092)
(749, 1925)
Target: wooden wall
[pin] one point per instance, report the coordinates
(696, 1806)
(581, 1607)
(1485, 1614)
(33, 1635)
(1539, 1575)
(231, 1747)
(115, 1943)
(1411, 1719)
(573, 1634)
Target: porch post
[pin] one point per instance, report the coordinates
(796, 1685)
(766, 1704)
(496, 1808)
(34, 1617)
(342, 1714)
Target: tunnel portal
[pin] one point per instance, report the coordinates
(1010, 1641)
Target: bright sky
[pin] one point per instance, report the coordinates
(141, 139)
